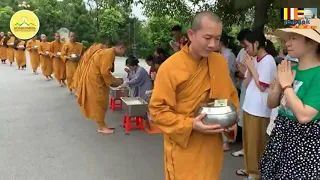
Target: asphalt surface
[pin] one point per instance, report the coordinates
(43, 136)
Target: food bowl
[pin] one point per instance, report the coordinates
(117, 93)
(74, 56)
(58, 53)
(35, 47)
(221, 112)
(20, 47)
(134, 106)
(46, 53)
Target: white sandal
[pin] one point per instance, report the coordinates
(237, 153)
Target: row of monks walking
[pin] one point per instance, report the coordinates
(56, 57)
(203, 69)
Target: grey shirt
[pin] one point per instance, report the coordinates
(232, 64)
(141, 83)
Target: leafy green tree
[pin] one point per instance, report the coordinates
(5, 14)
(159, 30)
(111, 20)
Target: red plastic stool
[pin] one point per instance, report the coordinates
(115, 104)
(127, 120)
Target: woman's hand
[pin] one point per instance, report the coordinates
(153, 75)
(249, 62)
(124, 85)
(285, 74)
(242, 68)
(127, 70)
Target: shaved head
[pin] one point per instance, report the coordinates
(72, 36)
(204, 15)
(205, 34)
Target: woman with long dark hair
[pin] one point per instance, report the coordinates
(261, 71)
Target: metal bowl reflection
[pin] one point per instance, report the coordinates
(226, 116)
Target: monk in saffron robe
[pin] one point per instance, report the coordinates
(32, 47)
(45, 60)
(69, 49)
(59, 67)
(10, 48)
(3, 52)
(85, 58)
(83, 62)
(20, 54)
(194, 75)
(93, 87)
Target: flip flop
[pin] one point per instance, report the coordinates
(111, 127)
(241, 172)
(101, 132)
(237, 154)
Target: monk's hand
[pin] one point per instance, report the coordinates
(203, 128)
(229, 129)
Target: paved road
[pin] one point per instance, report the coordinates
(43, 136)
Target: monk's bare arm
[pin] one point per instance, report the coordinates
(177, 126)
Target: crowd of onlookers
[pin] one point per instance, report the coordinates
(279, 103)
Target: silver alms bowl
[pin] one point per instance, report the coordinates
(225, 115)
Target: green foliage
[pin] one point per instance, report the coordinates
(110, 21)
(5, 14)
(159, 29)
(95, 20)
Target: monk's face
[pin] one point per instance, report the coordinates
(206, 39)
(120, 50)
(43, 37)
(34, 38)
(57, 37)
(9, 34)
(1, 34)
(72, 37)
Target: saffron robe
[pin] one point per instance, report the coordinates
(3, 50)
(45, 60)
(182, 84)
(94, 85)
(20, 54)
(10, 49)
(59, 67)
(34, 56)
(71, 65)
(84, 61)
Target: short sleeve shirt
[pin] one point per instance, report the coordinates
(241, 55)
(307, 87)
(255, 101)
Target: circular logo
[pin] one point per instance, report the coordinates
(24, 24)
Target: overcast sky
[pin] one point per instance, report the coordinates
(137, 10)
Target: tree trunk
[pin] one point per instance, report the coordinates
(261, 14)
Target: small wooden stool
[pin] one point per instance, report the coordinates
(127, 120)
(115, 104)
